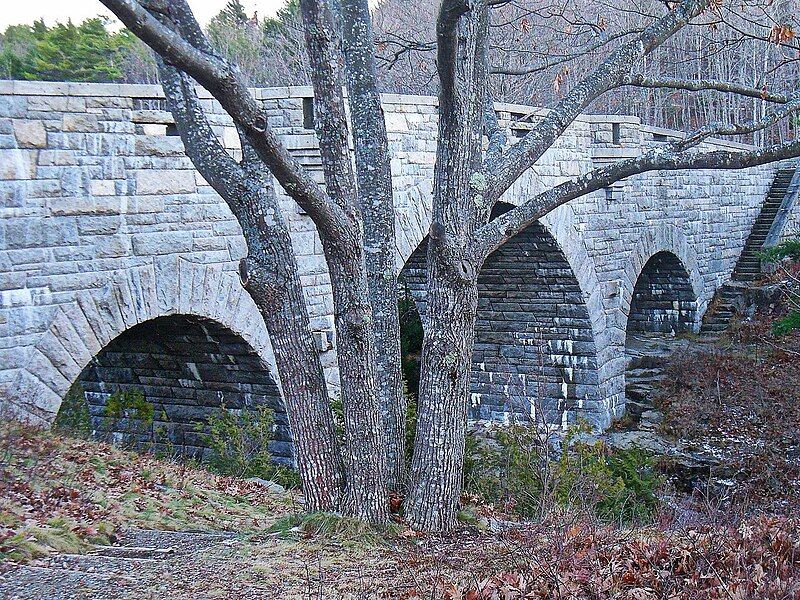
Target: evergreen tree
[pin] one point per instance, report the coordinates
(233, 13)
(66, 52)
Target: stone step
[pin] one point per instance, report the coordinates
(714, 327)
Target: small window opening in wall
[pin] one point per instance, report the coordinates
(308, 113)
(660, 137)
(616, 137)
(172, 131)
(609, 194)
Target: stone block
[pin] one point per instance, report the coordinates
(166, 242)
(16, 164)
(161, 181)
(159, 145)
(80, 123)
(30, 133)
(109, 205)
(102, 187)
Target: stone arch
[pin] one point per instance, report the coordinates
(82, 328)
(663, 300)
(668, 251)
(535, 356)
(185, 367)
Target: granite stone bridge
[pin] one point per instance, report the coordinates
(118, 262)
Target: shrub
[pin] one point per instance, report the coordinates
(520, 469)
(73, 416)
(239, 445)
(788, 249)
(787, 324)
(131, 415)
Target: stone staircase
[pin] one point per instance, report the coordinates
(748, 267)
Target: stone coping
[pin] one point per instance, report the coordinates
(154, 91)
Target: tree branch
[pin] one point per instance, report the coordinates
(606, 76)
(641, 81)
(495, 133)
(493, 235)
(226, 85)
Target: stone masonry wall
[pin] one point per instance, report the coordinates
(105, 224)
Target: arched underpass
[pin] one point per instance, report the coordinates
(663, 306)
(535, 356)
(185, 367)
(663, 298)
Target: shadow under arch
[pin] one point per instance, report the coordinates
(185, 368)
(664, 255)
(535, 357)
(663, 300)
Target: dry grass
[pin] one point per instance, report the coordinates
(62, 494)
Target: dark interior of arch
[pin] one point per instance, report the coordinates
(186, 367)
(534, 356)
(663, 299)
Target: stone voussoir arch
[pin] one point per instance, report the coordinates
(413, 225)
(665, 238)
(82, 328)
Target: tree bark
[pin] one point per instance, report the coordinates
(374, 177)
(365, 455)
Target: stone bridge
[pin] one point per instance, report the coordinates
(118, 261)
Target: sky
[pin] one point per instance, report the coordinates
(14, 12)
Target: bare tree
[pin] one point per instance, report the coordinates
(469, 179)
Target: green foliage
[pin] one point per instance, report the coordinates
(130, 404)
(239, 445)
(788, 249)
(73, 415)
(787, 324)
(130, 414)
(618, 484)
(411, 337)
(519, 469)
(233, 13)
(67, 52)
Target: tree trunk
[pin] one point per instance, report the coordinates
(270, 276)
(364, 456)
(459, 207)
(374, 177)
(437, 466)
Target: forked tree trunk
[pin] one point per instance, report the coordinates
(270, 275)
(459, 208)
(364, 453)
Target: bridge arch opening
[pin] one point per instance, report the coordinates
(663, 299)
(535, 357)
(663, 304)
(155, 385)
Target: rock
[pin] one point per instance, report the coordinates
(651, 419)
(271, 486)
